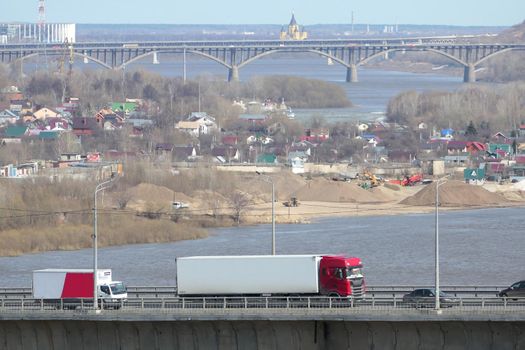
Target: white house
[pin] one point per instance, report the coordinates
(198, 123)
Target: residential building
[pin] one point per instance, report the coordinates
(45, 113)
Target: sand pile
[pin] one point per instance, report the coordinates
(286, 184)
(323, 190)
(209, 201)
(455, 194)
(146, 196)
(519, 186)
(389, 192)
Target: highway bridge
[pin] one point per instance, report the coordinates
(234, 55)
(154, 318)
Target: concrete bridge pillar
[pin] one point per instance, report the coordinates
(155, 58)
(351, 73)
(470, 73)
(233, 74)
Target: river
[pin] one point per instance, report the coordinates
(478, 247)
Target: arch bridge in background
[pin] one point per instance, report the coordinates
(235, 55)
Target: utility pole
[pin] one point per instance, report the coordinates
(41, 19)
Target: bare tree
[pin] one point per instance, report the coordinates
(238, 201)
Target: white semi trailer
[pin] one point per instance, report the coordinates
(270, 275)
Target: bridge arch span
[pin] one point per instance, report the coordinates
(203, 54)
(270, 52)
(76, 54)
(493, 54)
(368, 59)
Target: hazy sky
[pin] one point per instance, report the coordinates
(453, 12)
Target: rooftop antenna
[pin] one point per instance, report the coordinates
(352, 22)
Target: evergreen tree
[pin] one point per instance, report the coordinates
(471, 130)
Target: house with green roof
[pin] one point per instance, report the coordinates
(48, 135)
(267, 158)
(126, 107)
(15, 131)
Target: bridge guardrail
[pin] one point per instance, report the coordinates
(372, 291)
(261, 303)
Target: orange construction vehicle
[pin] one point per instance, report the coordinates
(412, 180)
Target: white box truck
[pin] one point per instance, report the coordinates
(72, 285)
(269, 275)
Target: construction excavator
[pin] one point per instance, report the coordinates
(370, 180)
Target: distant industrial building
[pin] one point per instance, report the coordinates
(49, 33)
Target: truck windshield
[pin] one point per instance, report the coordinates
(118, 288)
(354, 272)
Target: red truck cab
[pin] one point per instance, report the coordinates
(341, 276)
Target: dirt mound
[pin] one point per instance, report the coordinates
(146, 196)
(337, 191)
(389, 192)
(286, 184)
(209, 201)
(455, 194)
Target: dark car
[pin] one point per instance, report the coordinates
(517, 290)
(426, 297)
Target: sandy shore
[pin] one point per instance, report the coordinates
(308, 211)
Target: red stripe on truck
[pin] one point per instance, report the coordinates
(78, 285)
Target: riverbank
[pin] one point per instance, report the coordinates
(310, 211)
(416, 67)
(418, 199)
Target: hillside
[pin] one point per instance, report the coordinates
(514, 34)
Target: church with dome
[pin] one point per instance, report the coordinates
(294, 31)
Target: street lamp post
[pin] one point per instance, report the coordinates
(269, 180)
(100, 187)
(439, 182)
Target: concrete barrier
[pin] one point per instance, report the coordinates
(263, 335)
